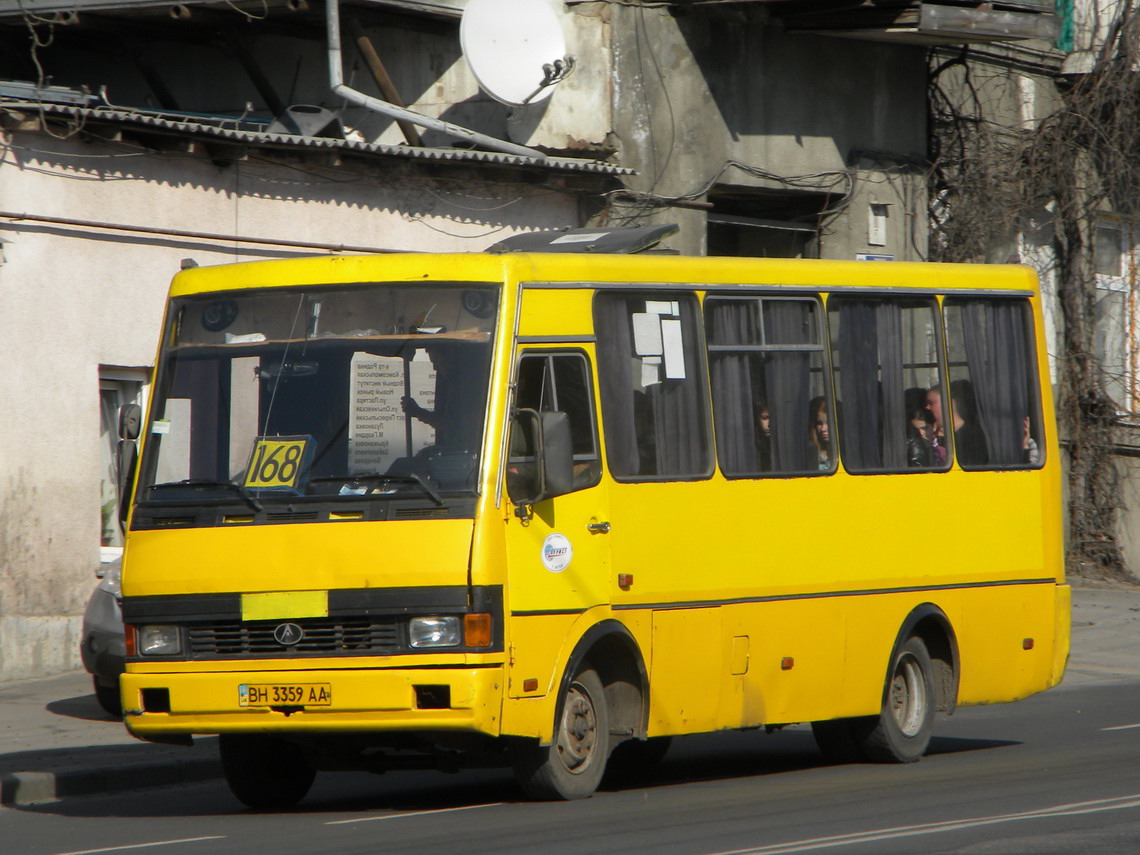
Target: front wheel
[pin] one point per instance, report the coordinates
(263, 772)
(901, 732)
(571, 767)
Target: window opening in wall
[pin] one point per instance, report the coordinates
(878, 214)
(117, 387)
(1115, 345)
(1108, 249)
(757, 223)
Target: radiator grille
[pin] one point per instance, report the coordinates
(322, 637)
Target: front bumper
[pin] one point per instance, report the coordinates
(389, 700)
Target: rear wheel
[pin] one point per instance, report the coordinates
(901, 732)
(571, 767)
(265, 773)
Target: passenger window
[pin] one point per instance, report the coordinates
(651, 376)
(560, 382)
(886, 359)
(994, 400)
(771, 405)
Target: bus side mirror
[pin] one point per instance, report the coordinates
(541, 460)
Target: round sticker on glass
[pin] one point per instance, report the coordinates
(556, 553)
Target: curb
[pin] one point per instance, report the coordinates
(32, 788)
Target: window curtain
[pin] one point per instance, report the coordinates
(734, 322)
(889, 320)
(860, 418)
(787, 377)
(663, 430)
(678, 407)
(997, 346)
(615, 349)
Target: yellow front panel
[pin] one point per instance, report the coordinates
(315, 556)
(367, 699)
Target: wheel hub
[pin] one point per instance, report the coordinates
(577, 737)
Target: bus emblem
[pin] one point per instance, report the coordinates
(288, 634)
(556, 553)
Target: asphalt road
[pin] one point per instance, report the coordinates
(1057, 773)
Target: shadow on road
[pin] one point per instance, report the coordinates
(712, 757)
(83, 707)
(956, 744)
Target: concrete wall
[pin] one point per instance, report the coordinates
(698, 90)
(75, 298)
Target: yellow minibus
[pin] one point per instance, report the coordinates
(550, 509)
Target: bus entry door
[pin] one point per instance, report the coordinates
(558, 550)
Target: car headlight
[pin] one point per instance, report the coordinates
(434, 632)
(159, 640)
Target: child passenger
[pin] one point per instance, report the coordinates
(919, 438)
(819, 431)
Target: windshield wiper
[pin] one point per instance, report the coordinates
(246, 496)
(402, 478)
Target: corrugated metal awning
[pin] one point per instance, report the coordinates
(231, 132)
(438, 8)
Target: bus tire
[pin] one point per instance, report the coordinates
(265, 773)
(571, 767)
(901, 732)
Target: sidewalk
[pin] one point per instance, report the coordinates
(56, 741)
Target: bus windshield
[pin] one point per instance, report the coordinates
(368, 391)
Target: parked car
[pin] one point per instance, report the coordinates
(103, 647)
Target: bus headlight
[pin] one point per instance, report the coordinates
(159, 640)
(434, 632)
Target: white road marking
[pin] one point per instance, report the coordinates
(1122, 727)
(412, 813)
(144, 845)
(1075, 809)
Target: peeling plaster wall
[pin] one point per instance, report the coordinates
(73, 298)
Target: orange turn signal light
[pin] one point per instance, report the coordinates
(787, 663)
(1027, 644)
(477, 630)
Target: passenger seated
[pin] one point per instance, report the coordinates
(1029, 449)
(763, 437)
(819, 432)
(919, 433)
(938, 432)
(969, 438)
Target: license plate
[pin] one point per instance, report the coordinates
(285, 695)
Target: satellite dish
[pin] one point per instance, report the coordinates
(515, 49)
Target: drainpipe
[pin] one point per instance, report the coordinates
(336, 79)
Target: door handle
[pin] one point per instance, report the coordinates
(598, 528)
